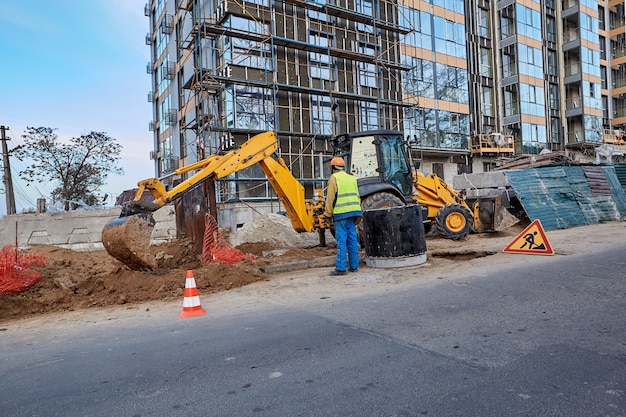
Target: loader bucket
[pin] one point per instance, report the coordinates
(493, 216)
(127, 239)
(503, 219)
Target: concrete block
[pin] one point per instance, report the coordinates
(494, 179)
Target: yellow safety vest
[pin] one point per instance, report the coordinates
(347, 194)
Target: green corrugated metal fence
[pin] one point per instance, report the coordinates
(562, 197)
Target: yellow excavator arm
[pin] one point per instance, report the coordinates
(127, 238)
(214, 167)
(305, 215)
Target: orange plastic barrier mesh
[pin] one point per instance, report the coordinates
(216, 249)
(14, 273)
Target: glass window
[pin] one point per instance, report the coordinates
(507, 23)
(369, 116)
(453, 129)
(593, 128)
(454, 5)
(532, 100)
(528, 22)
(396, 168)
(485, 62)
(364, 7)
(450, 37)
(551, 29)
(368, 76)
(167, 160)
(483, 23)
(511, 105)
(555, 131)
(589, 26)
(487, 101)
(552, 63)
(601, 18)
(533, 138)
(418, 79)
(249, 107)
(419, 23)
(554, 96)
(452, 84)
(590, 61)
(319, 63)
(321, 115)
(419, 125)
(591, 95)
(530, 61)
(509, 64)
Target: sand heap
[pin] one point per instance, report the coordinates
(276, 230)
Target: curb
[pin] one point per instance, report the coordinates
(311, 263)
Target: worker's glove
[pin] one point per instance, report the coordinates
(357, 220)
(328, 219)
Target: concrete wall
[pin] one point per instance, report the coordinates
(76, 230)
(480, 184)
(82, 230)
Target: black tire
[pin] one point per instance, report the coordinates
(376, 201)
(381, 200)
(454, 221)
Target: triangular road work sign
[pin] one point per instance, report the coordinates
(532, 241)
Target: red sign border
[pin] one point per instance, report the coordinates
(548, 250)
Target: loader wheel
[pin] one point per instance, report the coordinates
(454, 221)
(374, 202)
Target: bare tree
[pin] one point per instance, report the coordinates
(78, 168)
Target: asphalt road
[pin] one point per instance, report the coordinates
(540, 338)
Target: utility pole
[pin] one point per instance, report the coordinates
(8, 182)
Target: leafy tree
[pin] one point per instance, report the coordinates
(78, 168)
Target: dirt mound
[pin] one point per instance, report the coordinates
(75, 280)
(273, 229)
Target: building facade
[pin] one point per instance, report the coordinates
(468, 82)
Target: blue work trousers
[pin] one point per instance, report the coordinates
(345, 235)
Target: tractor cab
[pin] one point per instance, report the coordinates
(379, 160)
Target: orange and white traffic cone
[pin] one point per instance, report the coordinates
(191, 302)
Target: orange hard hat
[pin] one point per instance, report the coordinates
(337, 161)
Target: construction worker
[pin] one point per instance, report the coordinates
(344, 205)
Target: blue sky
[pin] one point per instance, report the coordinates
(77, 66)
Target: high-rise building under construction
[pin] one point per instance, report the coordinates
(468, 82)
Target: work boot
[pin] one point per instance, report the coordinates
(336, 272)
(353, 269)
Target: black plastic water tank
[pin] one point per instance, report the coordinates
(394, 236)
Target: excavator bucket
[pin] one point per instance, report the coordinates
(127, 239)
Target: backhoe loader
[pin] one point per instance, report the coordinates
(388, 178)
(379, 159)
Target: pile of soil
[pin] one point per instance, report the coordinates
(74, 280)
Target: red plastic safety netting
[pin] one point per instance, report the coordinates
(15, 275)
(215, 248)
